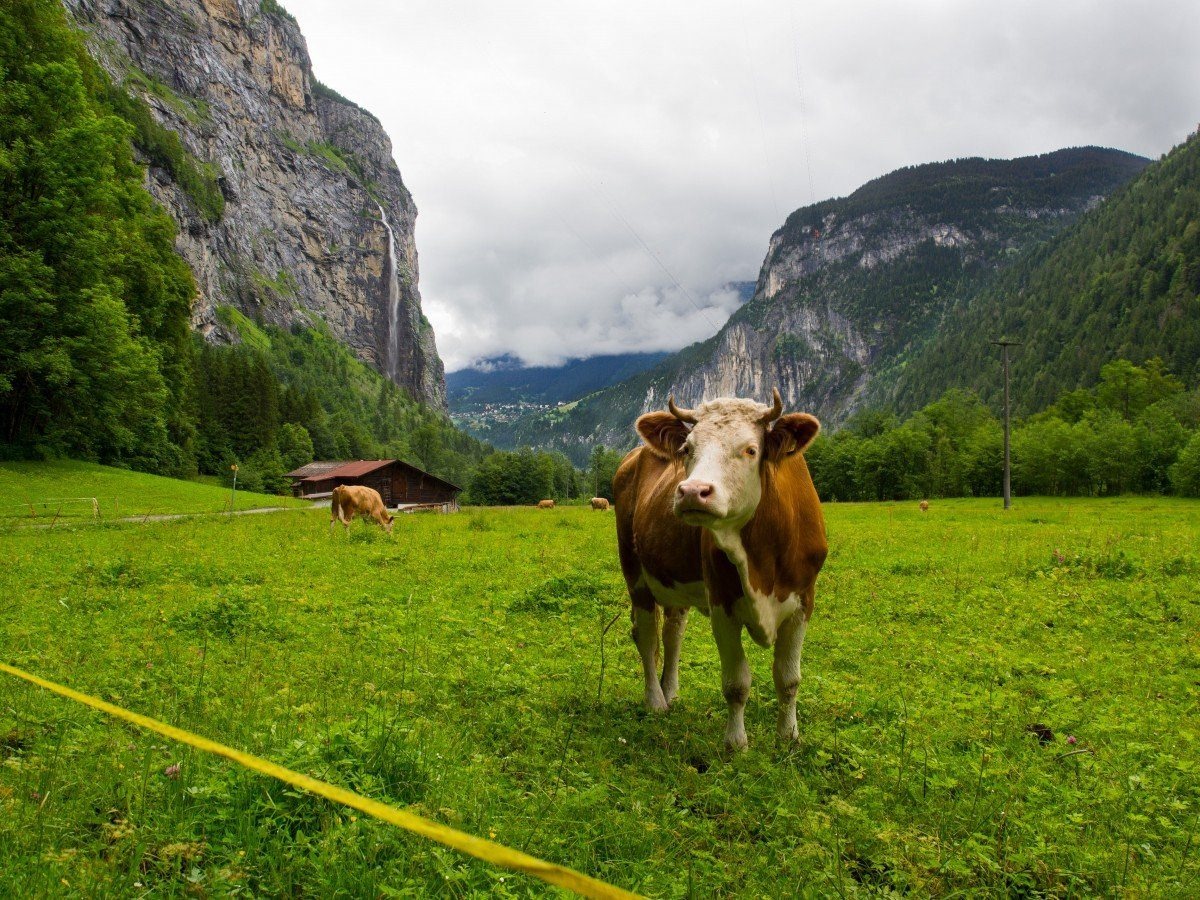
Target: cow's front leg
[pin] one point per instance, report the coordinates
(786, 670)
(673, 627)
(645, 636)
(735, 676)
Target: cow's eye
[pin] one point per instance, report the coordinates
(685, 450)
(751, 452)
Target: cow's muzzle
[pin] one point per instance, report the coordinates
(694, 497)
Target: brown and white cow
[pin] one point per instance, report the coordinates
(350, 500)
(545, 504)
(600, 503)
(717, 512)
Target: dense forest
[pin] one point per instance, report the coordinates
(97, 359)
(1136, 430)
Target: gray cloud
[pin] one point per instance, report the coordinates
(544, 143)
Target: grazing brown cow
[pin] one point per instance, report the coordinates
(718, 512)
(545, 504)
(599, 503)
(350, 500)
(924, 504)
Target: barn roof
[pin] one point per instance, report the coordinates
(360, 468)
(314, 468)
(357, 469)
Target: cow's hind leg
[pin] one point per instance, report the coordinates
(674, 624)
(735, 676)
(786, 670)
(645, 636)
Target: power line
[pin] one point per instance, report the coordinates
(762, 126)
(616, 212)
(812, 194)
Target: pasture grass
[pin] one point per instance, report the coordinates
(33, 493)
(460, 667)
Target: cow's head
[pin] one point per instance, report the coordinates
(725, 447)
(388, 524)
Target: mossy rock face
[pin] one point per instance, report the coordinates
(305, 168)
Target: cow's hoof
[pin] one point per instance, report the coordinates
(736, 743)
(657, 704)
(784, 736)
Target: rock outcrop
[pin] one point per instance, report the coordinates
(317, 223)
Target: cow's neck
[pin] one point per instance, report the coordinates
(769, 554)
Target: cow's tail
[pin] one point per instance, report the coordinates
(335, 506)
(658, 630)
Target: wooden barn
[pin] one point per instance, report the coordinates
(401, 485)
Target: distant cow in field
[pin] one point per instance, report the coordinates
(545, 504)
(599, 503)
(924, 506)
(350, 500)
(717, 512)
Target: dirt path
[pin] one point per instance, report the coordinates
(170, 517)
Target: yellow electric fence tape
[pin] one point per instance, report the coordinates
(488, 851)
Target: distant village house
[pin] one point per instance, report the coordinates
(400, 485)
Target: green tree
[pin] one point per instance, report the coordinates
(94, 302)
(1185, 473)
(602, 466)
(295, 446)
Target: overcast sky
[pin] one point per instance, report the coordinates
(590, 175)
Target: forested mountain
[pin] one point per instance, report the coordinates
(98, 360)
(1125, 282)
(852, 288)
(286, 195)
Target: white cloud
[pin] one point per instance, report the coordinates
(542, 141)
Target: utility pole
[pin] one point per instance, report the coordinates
(1005, 344)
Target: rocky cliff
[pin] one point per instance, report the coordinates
(312, 220)
(852, 288)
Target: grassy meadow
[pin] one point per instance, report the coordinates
(995, 704)
(43, 493)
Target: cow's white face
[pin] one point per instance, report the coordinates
(723, 455)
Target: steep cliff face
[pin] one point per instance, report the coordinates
(851, 289)
(316, 221)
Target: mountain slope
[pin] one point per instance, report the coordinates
(288, 201)
(1124, 283)
(852, 288)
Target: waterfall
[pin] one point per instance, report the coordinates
(392, 274)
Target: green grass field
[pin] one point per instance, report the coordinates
(457, 667)
(41, 493)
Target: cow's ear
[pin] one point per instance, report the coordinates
(662, 432)
(790, 434)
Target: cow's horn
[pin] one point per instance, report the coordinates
(683, 415)
(775, 411)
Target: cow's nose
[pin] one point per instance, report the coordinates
(694, 494)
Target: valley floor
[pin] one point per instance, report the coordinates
(459, 667)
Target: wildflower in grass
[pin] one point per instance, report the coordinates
(1071, 739)
(172, 771)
